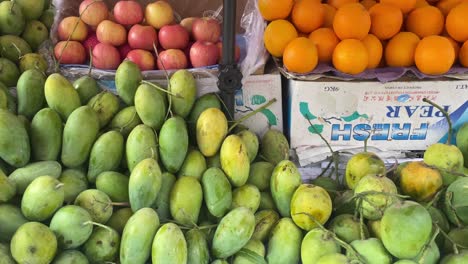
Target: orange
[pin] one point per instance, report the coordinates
(329, 15)
(374, 50)
(421, 3)
(456, 46)
(446, 5)
(368, 3)
(463, 56)
(300, 56)
(350, 56)
(434, 55)
(275, 9)
(399, 51)
(456, 23)
(326, 40)
(404, 5)
(425, 21)
(339, 3)
(308, 15)
(277, 36)
(352, 21)
(386, 20)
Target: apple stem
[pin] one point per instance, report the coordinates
(447, 117)
(166, 74)
(272, 101)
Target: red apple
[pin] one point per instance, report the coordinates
(124, 50)
(237, 52)
(173, 37)
(159, 14)
(204, 54)
(206, 29)
(128, 12)
(143, 58)
(71, 53)
(187, 23)
(111, 33)
(67, 26)
(142, 37)
(187, 54)
(93, 12)
(172, 59)
(106, 57)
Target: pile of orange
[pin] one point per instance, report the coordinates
(357, 35)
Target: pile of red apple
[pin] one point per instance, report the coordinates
(131, 31)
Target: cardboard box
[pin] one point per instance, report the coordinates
(392, 115)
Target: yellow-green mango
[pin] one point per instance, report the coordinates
(102, 246)
(7, 188)
(30, 92)
(169, 245)
(235, 160)
(74, 182)
(197, 247)
(462, 142)
(14, 140)
(201, 104)
(22, 177)
(186, 200)
(13, 47)
(37, 236)
(173, 143)
(194, 165)
(150, 106)
(35, 33)
(284, 182)
(265, 220)
(3, 100)
(246, 196)
(214, 161)
(266, 201)
(33, 61)
(233, 232)
(274, 146)
(127, 79)
(310, 200)
(97, 203)
(362, 164)
(106, 105)
(31, 9)
(61, 96)
(113, 184)
(79, 134)
(316, 244)
(212, 128)
(46, 135)
(10, 72)
(119, 219)
(42, 198)
(183, 85)
(72, 225)
(11, 100)
(87, 87)
(284, 245)
(70, 257)
(333, 258)
(137, 236)
(144, 184)
(217, 192)
(142, 143)
(125, 120)
(106, 154)
(251, 142)
(164, 196)
(256, 247)
(260, 174)
(220, 261)
(5, 255)
(11, 219)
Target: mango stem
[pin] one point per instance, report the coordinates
(265, 106)
(97, 224)
(58, 186)
(447, 117)
(160, 88)
(90, 62)
(169, 112)
(427, 245)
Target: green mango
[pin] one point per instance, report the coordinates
(127, 79)
(212, 128)
(372, 251)
(274, 147)
(220, 261)
(163, 198)
(142, 143)
(284, 182)
(25, 122)
(144, 184)
(335, 258)
(106, 154)
(284, 245)
(42, 198)
(138, 235)
(217, 192)
(30, 92)
(70, 257)
(254, 246)
(97, 203)
(33, 242)
(12, 20)
(11, 219)
(106, 105)
(3, 100)
(455, 204)
(87, 87)
(48, 17)
(113, 184)
(462, 142)
(33, 61)
(251, 143)
(197, 247)
(9, 72)
(13, 47)
(14, 140)
(265, 220)
(31, 9)
(173, 143)
(125, 120)
(235, 160)
(119, 219)
(348, 228)
(5, 255)
(260, 174)
(316, 244)
(361, 165)
(373, 206)
(447, 158)
(151, 106)
(7, 188)
(430, 255)
(374, 228)
(102, 246)
(24, 176)
(214, 161)
(457, 235)
(61, 96)
(184, 87)
(79, 134)
(194, 165)
(247, 196)
(266, 201)
(72, 225)
(233, 232)
(74, 182)
(11, 100)
(186, 200)
(201, 104)
(35, 33)
(169, 245)
(46, 135)
(329, 184)
(454, 258)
